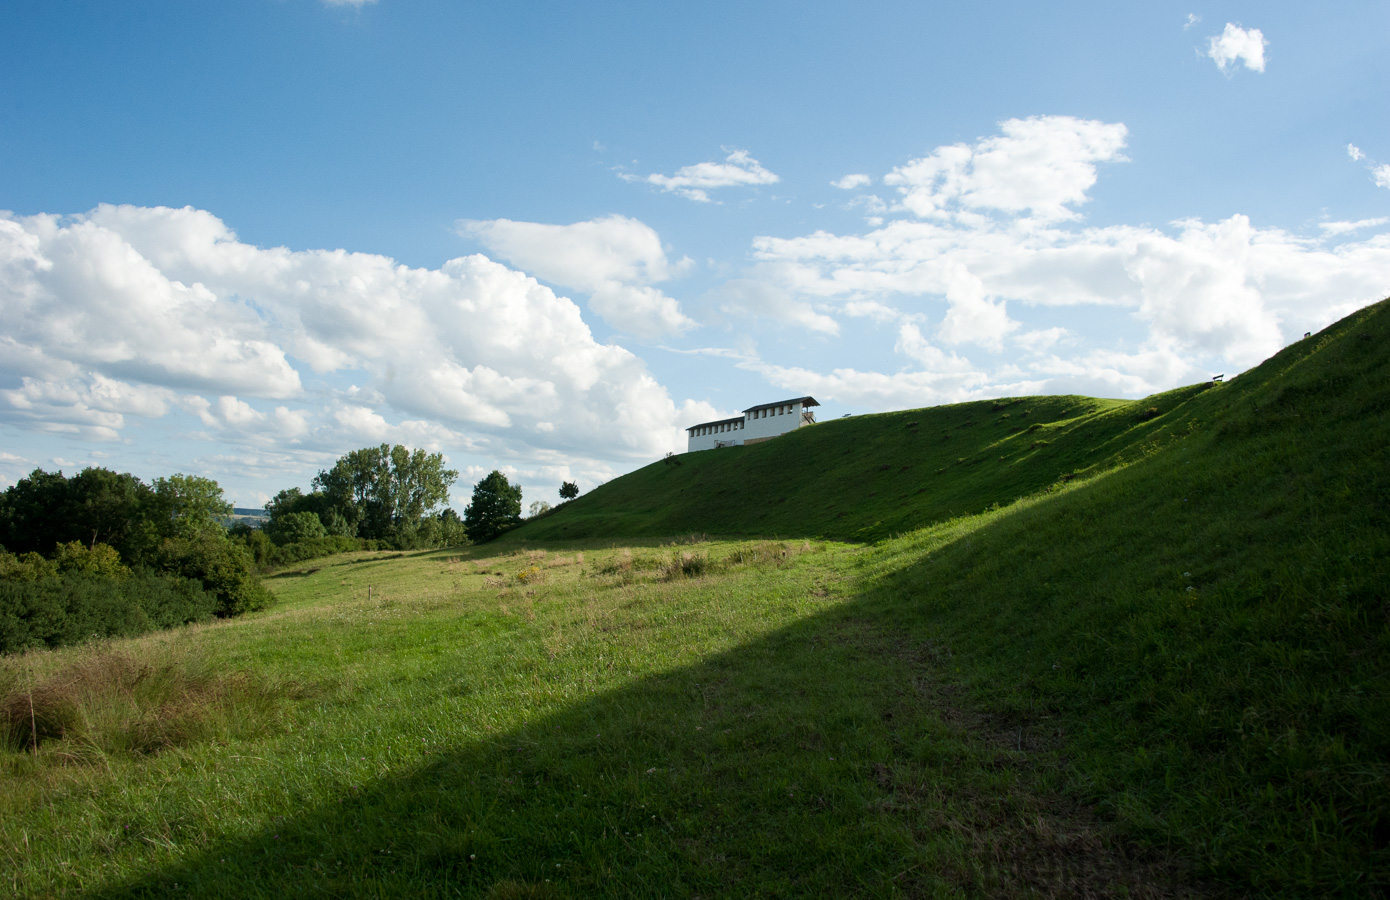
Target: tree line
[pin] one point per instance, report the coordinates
(103, 553)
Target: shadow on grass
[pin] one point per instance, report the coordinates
(831, 758)
(296, 573)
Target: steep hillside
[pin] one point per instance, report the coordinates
(868, 477)
(1198, 623)
(865, 477)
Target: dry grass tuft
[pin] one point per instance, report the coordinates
(107, 702)
(685, 565)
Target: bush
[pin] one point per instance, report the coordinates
(25, 566)
(292, 528)
(329, 545)
(98, 559)
(54, 611)
(223, 568)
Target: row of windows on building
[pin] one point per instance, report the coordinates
(735, 426)
(718, 429)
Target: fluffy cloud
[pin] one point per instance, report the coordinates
(1381, 175)
(850, 182)
(695, 182)
(91, 406)
(1355, 153)
(1349, 227)
(1041, 165)
(614, 259)
(1180, 299)
(135, 311)
(77, 295)
(1238, 45)
(1225, 289)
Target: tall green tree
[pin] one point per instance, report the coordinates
(496, 507)
(385, 492)
(191, 505)
(95, 506)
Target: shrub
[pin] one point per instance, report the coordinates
(292, 528)
(99, 559)
(256, 544)
(55, 611)
(26, 566)
(223, 568)
(1150, 413)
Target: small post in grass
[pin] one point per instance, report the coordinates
(33, 725)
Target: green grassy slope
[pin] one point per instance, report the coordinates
(1200, 621)
(868, 477)
(1205, 631)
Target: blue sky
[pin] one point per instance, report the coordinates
(244, 238)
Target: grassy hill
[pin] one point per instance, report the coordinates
(867, 477)
(1143, 654)
(1195, 587)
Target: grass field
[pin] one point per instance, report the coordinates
(1147, 657)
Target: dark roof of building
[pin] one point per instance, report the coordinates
(716, 422)
(804, 401)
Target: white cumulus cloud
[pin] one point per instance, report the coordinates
(1355, 153)
(142, 311)
(1042, 164)
(1162, 304)
(850, 182)
(615, 260)
(1238, 45)
(738, 169)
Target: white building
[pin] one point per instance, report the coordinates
(758, 423)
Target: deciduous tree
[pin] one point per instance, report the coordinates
(191, 505)
(496, 507)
